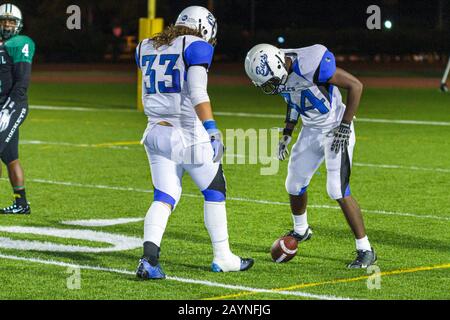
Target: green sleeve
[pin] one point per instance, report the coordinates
(20, 49)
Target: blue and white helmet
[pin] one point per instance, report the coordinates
(265, 66)
(199, 18)
(10, 12)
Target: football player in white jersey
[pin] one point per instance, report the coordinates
(308, 80)
(182, 135)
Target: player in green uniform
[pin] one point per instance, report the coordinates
(16, 55)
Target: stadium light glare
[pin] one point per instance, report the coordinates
(388, 24)
(280, 40)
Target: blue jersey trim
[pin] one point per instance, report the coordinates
(199, 53)
(296, 69)
(327, 67)
(163, 197)
(303, 190)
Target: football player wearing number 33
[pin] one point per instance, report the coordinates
(182, 135)
(16, 56)
(308, 80)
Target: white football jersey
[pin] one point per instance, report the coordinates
(307, 92)
(165, 92)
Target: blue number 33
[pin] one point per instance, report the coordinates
(149, 60)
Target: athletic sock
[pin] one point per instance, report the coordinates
(19, 196)
(300, 223)
(363, 244)
(216, 223)
(151, 252)
(154, 226)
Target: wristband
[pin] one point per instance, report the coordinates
(287, 132)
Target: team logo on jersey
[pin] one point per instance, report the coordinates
(263, 68)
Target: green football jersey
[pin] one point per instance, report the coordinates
(13, 53)
(20, 49)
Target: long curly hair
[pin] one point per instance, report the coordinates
(170, 33)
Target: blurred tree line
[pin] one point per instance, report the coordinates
(418, 26)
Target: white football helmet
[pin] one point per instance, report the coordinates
(265, 66)
(199, 18)
(10, 12)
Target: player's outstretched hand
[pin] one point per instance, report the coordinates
(341, 137)
(218, 147)
(5, 116)
(283, 150)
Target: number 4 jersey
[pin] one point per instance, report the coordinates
(16, 56)
(307, 91)
(165, 90)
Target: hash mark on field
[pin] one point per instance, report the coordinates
(336, 281)
(81, 185)
(178, 279)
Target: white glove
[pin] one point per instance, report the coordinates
(217, 144)
(283, 150)
(5, 116)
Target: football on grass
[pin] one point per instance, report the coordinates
(284, 249)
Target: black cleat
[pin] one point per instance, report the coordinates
(246, 263)
(444, 87)
(364, 259)
(298, 237)
(16, 209)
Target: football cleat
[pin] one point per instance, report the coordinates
(244, 264)
(300, 238)
(364, 259)
(16, 209)
(146, 271)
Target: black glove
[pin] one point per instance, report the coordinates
(341, 137)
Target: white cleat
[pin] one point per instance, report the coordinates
(232, 263)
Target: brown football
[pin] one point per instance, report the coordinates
(284, 249)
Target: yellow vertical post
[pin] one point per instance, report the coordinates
(148, 27)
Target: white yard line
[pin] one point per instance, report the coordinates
(178, 279)
(245, 114)
(105, 145)
(248, 200)
(279, 116)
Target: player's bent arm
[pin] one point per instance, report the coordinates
(21, 80)
(345, 80)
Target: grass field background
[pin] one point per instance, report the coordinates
(89, 165)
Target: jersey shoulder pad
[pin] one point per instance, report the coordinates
(198, 52)
(20, 48)
(317, 63)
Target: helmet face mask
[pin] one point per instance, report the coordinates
(199, 18)
(265, 66)
(8, 13)
(271, 86)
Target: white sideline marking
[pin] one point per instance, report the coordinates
(244, 114)
(178, 279)
(68, 144)
(101, 222)
(389, 213)
(358, 164)
(81, 109)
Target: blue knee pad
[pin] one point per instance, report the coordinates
(216, 191)
(213, 195)
(163, 197)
